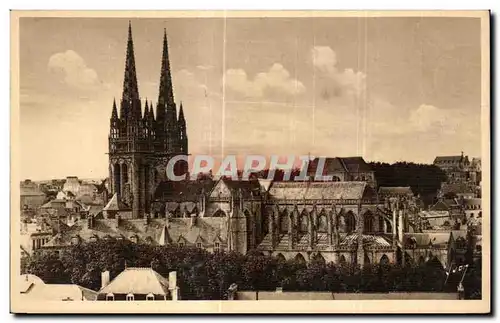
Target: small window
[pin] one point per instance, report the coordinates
(150, 297)
(130, 297)
(198, 245)
(181, 244)
(217, 246)
(110, 297)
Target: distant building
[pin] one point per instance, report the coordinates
(138, 284)
(31, 196)
(395, 191)
(32, 288)
(460, 169)
(344, 169)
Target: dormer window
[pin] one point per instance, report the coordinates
(198, 245)
(181, 244)
(150, 297)
(75, 240)
(130, 297)
(110, 297)
(217, 246)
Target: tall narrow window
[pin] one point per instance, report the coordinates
(217, 246)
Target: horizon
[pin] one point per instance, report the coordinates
(239, 169)
(330, 85)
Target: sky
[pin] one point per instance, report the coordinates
(386, 89)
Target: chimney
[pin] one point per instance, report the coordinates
(146, 222)
(118, 220)
(104, 279)
(172, 285)
(89, 222)
(167, 219)
(231, 292)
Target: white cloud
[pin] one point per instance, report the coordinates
(204, 67)
(276, 79)
(333, 82)
(74, 70)
(427, 116)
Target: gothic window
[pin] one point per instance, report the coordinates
(130, 297)
(219, 214)
(341, 224)
(265, 224)
(304, 223)
(369, 223)
(322, 223)
(350, 222)
(284, 223)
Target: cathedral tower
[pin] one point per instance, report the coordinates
(141, 144)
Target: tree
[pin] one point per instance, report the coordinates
(207, 276)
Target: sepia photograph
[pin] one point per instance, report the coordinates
(250, 162)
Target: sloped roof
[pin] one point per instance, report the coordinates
(395, 190)
(33, 288)
(368, 240)
(265, 184)
(456, 188)
(454, 159)
(114, 204)
(137, 281)
(31, 192)
(317, 190)
(471, 202)
(154, 232)
(427, 238)
(355, 164)
(183, 190)
(341, 164)
(346, 241)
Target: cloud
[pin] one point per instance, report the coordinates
(276, 79)
(426, 117)
(204, 67)
(74, 70)
(334, 83)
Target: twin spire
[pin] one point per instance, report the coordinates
(164, 123)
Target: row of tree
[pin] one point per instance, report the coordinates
(204, 275)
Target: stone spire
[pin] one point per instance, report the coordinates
(146, 110)
(114, 112)
(130, 105)
(182, 129)
(166, 110)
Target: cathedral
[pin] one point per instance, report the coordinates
(343, 220)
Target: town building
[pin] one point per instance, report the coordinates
(138, 284)
(31, 195)
(32, 288)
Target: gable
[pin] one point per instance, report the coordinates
(221, 190)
